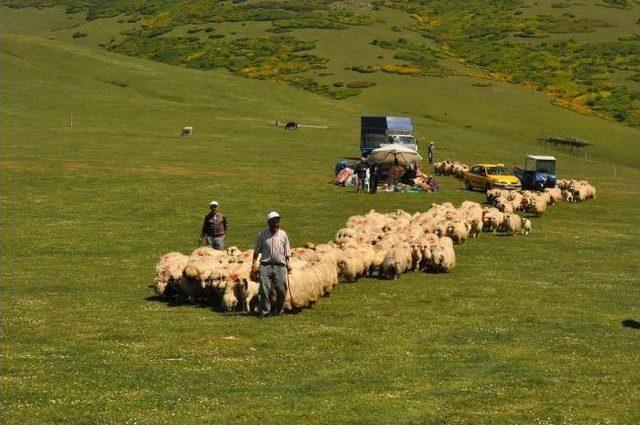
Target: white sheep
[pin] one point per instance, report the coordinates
(397, 261)
(511, 224)
(168, 273)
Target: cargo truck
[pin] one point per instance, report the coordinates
(376, 132)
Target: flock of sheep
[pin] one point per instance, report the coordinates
(375, 244)
(510, 201)
(450, 168)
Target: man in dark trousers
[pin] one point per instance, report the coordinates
(375, 176)
(272, 245)
(361, 172)
(214, 228)
(431, 152)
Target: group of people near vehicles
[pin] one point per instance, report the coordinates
(367, 177)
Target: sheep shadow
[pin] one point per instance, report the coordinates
(177, 300)
(630, 323)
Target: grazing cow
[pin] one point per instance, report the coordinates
(291, 125)
(186, 131)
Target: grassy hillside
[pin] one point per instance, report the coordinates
(586, 56)
(523, 330)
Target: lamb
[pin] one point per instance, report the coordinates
(249, 291)
(526, 226)
(567, 195)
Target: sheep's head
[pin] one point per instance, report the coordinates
(229, 299)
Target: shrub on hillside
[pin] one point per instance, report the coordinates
(401, 69)
(361, 84)
(365, 69)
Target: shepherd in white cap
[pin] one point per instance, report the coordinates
(214, 228)
(272, 245)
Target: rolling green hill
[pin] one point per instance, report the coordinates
(523, 330)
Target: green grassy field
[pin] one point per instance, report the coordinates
(524, 330)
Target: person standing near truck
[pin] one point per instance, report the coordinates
(431, 152)
(214, 228)
(374, 177)
(361, 172)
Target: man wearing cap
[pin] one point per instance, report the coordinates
(431, 151)
(272, 245)
(214, 228)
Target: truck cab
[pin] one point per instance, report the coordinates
(539, 172)
(406, 140)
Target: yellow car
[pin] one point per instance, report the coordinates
(489, 176)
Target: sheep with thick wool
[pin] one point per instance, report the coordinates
(168, 273)
(511, 224)
(397, 261)
(443, 256)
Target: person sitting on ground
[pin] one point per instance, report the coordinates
(214, 228)
(433, 183)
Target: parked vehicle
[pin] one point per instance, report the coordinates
(376, 132)
(539, 172)
(489, 176)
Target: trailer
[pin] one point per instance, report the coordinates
(376, 132)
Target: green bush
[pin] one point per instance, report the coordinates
(361, 84)
(364, 69)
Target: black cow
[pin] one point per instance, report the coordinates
(291, 125)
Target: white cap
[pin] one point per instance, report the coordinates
(213, 203)
(273, 214)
